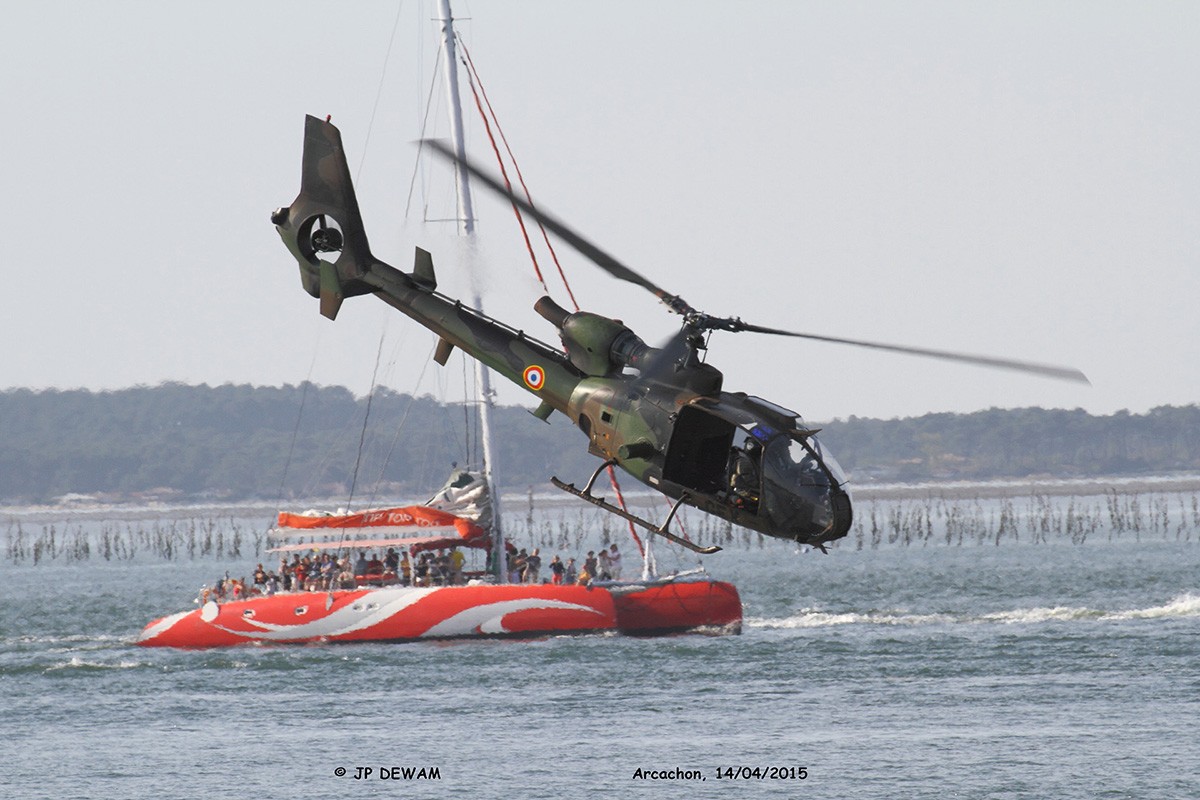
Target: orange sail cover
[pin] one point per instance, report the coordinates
(415, 527)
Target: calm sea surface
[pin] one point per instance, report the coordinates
(1046, 669)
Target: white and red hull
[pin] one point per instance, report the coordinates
(394, 614)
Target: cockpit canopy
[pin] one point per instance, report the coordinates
(761, 460)
(800, 483)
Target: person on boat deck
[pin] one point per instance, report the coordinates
(360, 566)
(603, 565)
(421, 571)
(517, 569)
(299, 573)
(391, 561)
(374, 565)
(345, 576)
(585, 577)
(614, 562)
(260, 576)
(570, 574)
(556, 570)
(533, 565)
(457, 560)
(405, 570)
(589, 566)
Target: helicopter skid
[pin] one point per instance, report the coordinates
(660, 530)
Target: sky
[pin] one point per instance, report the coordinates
(1016, 179)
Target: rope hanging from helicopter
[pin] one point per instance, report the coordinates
(481, 99)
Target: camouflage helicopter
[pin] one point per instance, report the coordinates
(660, 414)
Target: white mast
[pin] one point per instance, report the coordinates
(466, 228)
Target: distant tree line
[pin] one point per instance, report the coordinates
(1023, 442)
(292, 442)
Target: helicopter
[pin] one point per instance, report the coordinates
(661, 414)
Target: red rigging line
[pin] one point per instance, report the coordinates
(474, 81)
(473, 78)
(507, 183)
(612, 478)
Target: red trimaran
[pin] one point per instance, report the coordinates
(653, 605)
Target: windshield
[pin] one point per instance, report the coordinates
(798, 485)
(831, 464)
(789, 461)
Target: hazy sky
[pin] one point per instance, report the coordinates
(1013, 179)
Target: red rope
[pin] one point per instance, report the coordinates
(473, 79)
(612, 478)
(508, 185)
(517, 168)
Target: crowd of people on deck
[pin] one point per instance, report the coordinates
(326, 572)
(526, 567)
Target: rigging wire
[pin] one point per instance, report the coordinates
(516, 168)
(379, 90)
(504, 173)
(412, 399)
(421, 142)
(287, 463)
(472, 79)
(362, 437)
(476, 415)
(467, 427)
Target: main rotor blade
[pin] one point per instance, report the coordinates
(595, 254)
(1045, 370)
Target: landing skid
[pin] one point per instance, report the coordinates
(586, 494)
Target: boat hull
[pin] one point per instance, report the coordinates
(673, 607)
(396, 614)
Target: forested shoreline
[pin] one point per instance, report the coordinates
(236, 442)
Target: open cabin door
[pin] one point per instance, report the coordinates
(698, 455)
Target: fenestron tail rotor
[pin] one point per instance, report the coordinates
(695, 322)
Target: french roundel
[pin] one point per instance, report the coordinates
(535, 377)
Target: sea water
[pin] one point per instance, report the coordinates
(1028, 669)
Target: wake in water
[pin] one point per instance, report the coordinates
(1185, 605)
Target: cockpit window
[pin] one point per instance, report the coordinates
(831, 463)
(790, 461)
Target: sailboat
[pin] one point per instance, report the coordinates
(391, 605)
(382, 606)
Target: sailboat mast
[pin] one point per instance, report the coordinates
(466, 228)
(466, 211)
